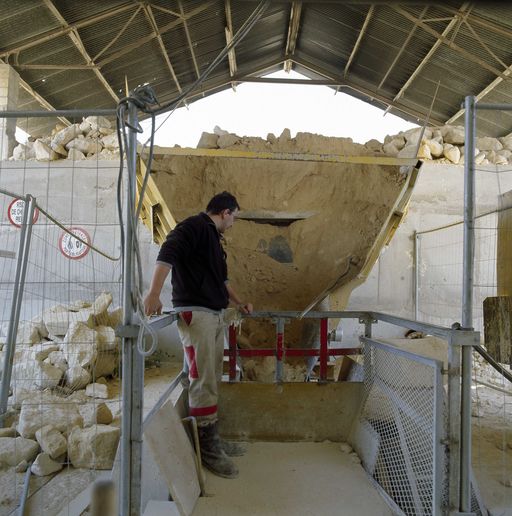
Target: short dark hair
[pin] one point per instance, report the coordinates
(222, 201)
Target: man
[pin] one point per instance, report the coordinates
(200, 293)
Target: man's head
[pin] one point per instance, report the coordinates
(222, 209)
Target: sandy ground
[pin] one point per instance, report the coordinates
(492, 439)
(303, 479)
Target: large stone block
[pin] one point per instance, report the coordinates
(80, 345)
(32, 374)
(51, 441)
(44, 465)
(15, 449)
(94, 447)
(48, 410)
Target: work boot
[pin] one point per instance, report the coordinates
(233, 449)
(213, 456)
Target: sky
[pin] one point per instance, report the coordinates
(256, 109)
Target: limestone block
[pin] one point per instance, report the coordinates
(486, 143)
(101, 303)
(480, 158)
(453, 134)
(15, 449)
(271, 138)
(41, 328)
(207, 141)
(373, 145)
(227, 140)
(85, 145)
(28, 333)
(58, 319)
(436, 133)
(65, 135)
(107, 352)
(412, 136)
(506, 153)
(41, 350)
(75, 155)
(106, 131)
(285, 135)
(8, 432)
(496, 158)
(95, 414)
(435, 147)
(32, 375)
(44, 152)
(51, 441)
(451, 152)
(77, 377)
(98, 121)
(80, 345)
(218, 131)
(97, 390)
(393, 146)
(110, 141)
(44, 465)
(85, 127)
(58, 359)
(112, 318)
(19, 395)
(346, 448)
(48, 410)
(23, 152)
(424, 152)
(507, 142)
(93, 447)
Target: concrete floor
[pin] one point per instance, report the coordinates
(303, 479)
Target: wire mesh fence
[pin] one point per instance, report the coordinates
(62, 424)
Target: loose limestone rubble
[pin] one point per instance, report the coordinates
(59, 388)
(93, 138)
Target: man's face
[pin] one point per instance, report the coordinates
(228, 219)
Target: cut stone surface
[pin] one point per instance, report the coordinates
(51, 441)
(110, 141)
(98, 121)
(207, 141)
(32, 374)
(85, 145)
(44, 152)
(94, 447)
(66, 135)
(15, 449)
(95, 414)
(77, 377)
(58, 319)
(80, 345)
(48, 410)
(44, 465)
(97, 390)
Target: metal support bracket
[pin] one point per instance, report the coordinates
(129, 331)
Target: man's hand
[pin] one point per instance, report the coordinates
(152, 304)
(245, 308)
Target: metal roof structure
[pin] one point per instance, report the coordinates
(79, 54)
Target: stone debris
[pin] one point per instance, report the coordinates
(346, 448)
(95, 414)
(44, 465)
(97, 390)
(86, 140)
(52, 442)
(77, 377)
(439, 144)
(15, 449)
(94, 447)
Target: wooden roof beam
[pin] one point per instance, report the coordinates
(55, 33)
(75, 38)
(189, 39)
(293, 32)
(359, 39)
(158, 35)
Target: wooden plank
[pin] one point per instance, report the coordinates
(498, 328)
(175, 457)
(504, 250)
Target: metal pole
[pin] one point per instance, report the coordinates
(323, 349)
(232, 353)
(453, 426)
(17, 297)
(467, 302)
(132, 361)
(416, 275)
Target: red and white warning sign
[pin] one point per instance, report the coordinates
(73, 248)
(15, 213)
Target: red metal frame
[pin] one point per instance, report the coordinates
(280, 351)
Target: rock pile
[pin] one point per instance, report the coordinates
(439, 144)
(59, 353)
(93, 138)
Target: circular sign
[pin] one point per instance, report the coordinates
(73, 248)
(15, 213)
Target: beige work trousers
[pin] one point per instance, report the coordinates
(202, 336)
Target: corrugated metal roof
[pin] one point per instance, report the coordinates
(120, 40)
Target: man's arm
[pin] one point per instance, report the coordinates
(245, 308)
(152, 303)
